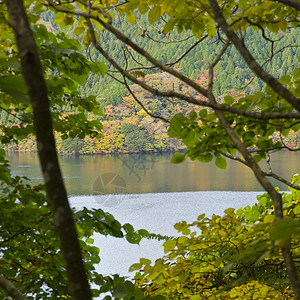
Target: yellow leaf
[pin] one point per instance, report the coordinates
(195, 297)
(131, 18)
(269, 219)
(79, 30)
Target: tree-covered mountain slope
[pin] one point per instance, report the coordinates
(127, 128)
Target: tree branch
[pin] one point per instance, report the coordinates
(214, 63)
(176, 60)
(253, 65)
(11, 289)
(142, 105)
(291, 3)
(13, 115)
(138, 49)
(189, 99)
(269, 174)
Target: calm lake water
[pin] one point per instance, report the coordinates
(88, 175)
(174, 193)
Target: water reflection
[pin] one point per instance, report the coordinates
(153, 173)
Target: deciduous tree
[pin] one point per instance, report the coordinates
(230, 126)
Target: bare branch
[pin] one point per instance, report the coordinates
(187, 51)
(142, 105)
(114, 78)
(254, 66)
(269, 174)
(13, 115)
(11, 289)
(178, 59)
(188, 98)
(291, 3)
(138, 49)
(214, 63)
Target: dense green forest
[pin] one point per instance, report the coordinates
(127, 128)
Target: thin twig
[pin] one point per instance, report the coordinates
(270, 173)
(142, 105)
(251, 62)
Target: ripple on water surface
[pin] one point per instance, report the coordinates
(157, 213)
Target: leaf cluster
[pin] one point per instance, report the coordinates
(231, 256)
(204, 135)
(31, 257)
(66, 68)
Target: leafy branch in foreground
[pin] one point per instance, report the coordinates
(232, 256)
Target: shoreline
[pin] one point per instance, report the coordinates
(97, 154)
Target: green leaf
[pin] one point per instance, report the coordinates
(186, 231)
(135, 267)
(274, 27)
(143, 8)
(296, 73)
(178, 158)
(205, 157)
(203, 114)
(269, 219)
(120, 291)
(79, 30)
(2, 154)
(228, 100)
(248, 135)
(296, 127)
(297, 210)
(285, 228)
(285, 79)
(211, 29)
(154, 14)
(169, 245)
(16, 87)
(131, 18)
(133, 238)
(285, 132)
(229, 211)
(90, 241)
(221, 162)
(145, 261)
(132, 5)
(101, 67)
(59, 17)
(138, 73)
(170, 25)
(143, 232)
(189, 140)
(193, 115)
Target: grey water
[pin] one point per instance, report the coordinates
(149, 192)
(158, 213)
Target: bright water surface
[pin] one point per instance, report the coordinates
(156, 195)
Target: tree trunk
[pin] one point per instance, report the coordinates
(63, 218)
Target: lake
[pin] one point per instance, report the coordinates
(109, 174)
(149, 192)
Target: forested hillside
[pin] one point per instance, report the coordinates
(127, 127)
